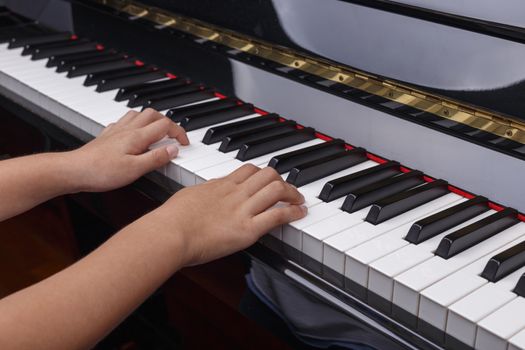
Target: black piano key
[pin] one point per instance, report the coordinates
(50, 52)
(128, 92)
(31, 48)
(217, 133)
(342, 186)
(365, 196)
(311, 171)
(440, 222)
(120, 82)
(95, 78)
(402, 202)
(92, 56)
(236, 140)
(39, 39)
(285, 162)
(197, 121)
(177, 114)
(258, 148)
(57, 60)
(28, 30)
(468, 236)
(68, 64)
(74, 47)
(520, 286)
(505, 263)
(180, 100)
(84, 69)
(140, 98)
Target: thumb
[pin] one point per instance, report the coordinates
(156, 158)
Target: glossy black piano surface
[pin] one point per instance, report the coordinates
(417, 46)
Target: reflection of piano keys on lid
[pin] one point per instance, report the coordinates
(425, 253)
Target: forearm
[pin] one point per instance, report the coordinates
(76, 307)
(28, 181)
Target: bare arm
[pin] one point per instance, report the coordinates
(108, 162)
(78, 306)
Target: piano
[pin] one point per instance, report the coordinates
(400, 121)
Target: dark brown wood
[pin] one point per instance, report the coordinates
(35, 245)
(209, 296)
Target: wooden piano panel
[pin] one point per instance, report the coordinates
(35, 245)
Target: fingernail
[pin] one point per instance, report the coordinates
(172, 150)
(304, 209)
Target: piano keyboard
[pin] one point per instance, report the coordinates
(445, 262)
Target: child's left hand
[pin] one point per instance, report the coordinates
(120, 155)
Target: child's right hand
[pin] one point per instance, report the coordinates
(225, 215)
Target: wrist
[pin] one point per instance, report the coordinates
(170, 239)
(72, 171)
(59, 172)
(83, 170)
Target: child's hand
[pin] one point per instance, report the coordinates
(225, 215)
(119, 155)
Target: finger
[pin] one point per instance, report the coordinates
(177, 132)
(147, 116)
(126, 119)
(144, 137)
(259, 180)
(155, 158)
(271, 194)
(242, 173)
(268, 220)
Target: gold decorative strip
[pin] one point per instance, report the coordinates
(475, 117)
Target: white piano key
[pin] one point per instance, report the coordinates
(26, 71)
(218, 171)
(292, 233)
(465, 313)
(436, 299)
(495, 330)
(408, 284)
(360, 257)
(225, 168)
(336, 245)
(383, 270)
(517, 342)
(314, 235)
(90, 101)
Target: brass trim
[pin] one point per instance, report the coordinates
(456, 111)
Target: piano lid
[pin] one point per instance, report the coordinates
(474, 56)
